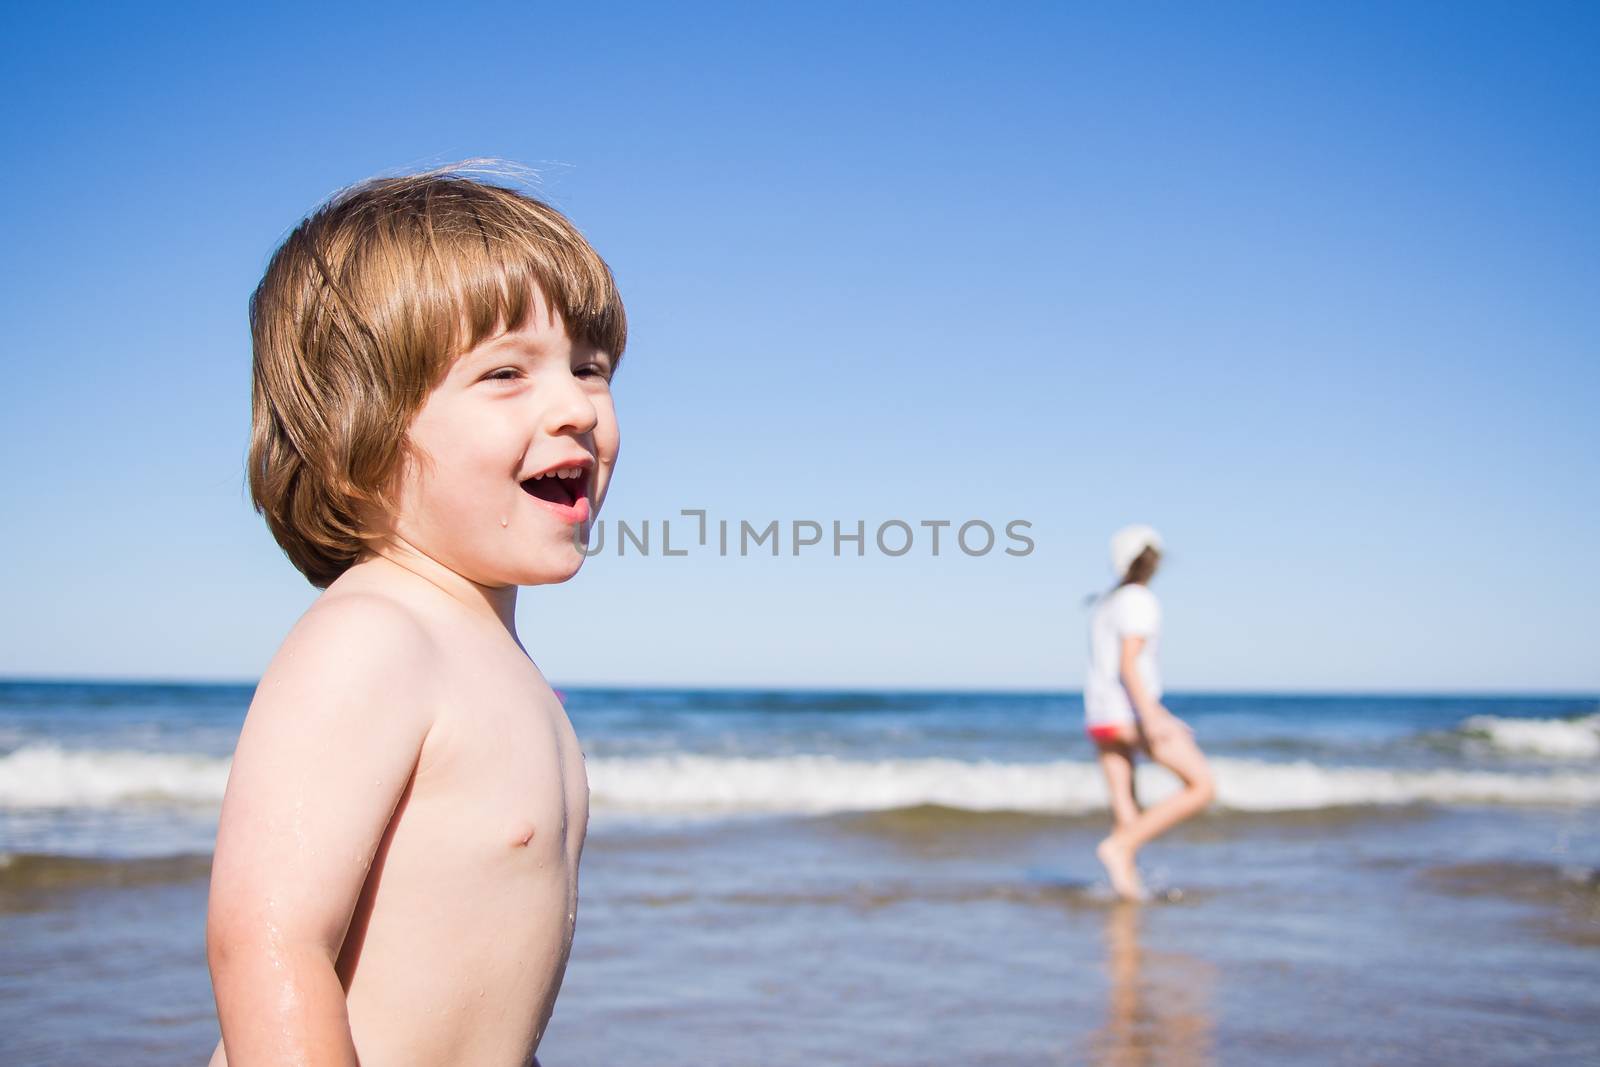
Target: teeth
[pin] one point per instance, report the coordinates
(564, 472)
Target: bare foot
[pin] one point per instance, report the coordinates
(1118, 862)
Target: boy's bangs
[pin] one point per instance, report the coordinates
(497, 281)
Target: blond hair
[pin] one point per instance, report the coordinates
(362, 310)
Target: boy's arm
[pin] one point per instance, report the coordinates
(329, 745)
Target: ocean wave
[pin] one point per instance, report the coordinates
(1562, 738)
(821, 785)
(46, 776)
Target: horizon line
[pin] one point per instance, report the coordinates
(875, 689)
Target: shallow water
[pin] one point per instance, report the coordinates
(829, 921)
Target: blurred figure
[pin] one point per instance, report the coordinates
(1122, 705)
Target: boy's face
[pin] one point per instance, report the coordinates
(485, 498)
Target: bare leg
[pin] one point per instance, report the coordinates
(1175, 750)
(1116, 763)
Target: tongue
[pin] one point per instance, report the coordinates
(555, 490)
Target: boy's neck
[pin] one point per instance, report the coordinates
(495, 602)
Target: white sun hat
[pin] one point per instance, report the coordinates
(1128, 542)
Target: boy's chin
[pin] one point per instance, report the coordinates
(552, 568)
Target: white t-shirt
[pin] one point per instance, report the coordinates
(1127, 611)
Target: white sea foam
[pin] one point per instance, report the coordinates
(822, 784)
(46, 776)
(1562, 738)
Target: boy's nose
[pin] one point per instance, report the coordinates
(570, 411)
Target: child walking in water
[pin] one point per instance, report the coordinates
(1122, 704)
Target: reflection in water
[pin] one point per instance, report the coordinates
(1158, 1011)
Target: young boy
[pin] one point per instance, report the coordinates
(396, 872)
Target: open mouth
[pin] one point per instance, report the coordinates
(562, 488)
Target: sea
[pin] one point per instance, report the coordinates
(778, 878)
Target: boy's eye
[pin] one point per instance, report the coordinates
(511, 374)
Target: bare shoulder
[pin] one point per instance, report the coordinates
(331, 739)
(362, 622)
(356, 646)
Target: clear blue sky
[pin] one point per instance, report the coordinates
(1311, 287)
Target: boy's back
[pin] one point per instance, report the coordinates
(396, 872)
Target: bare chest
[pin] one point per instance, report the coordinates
(502, 775)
